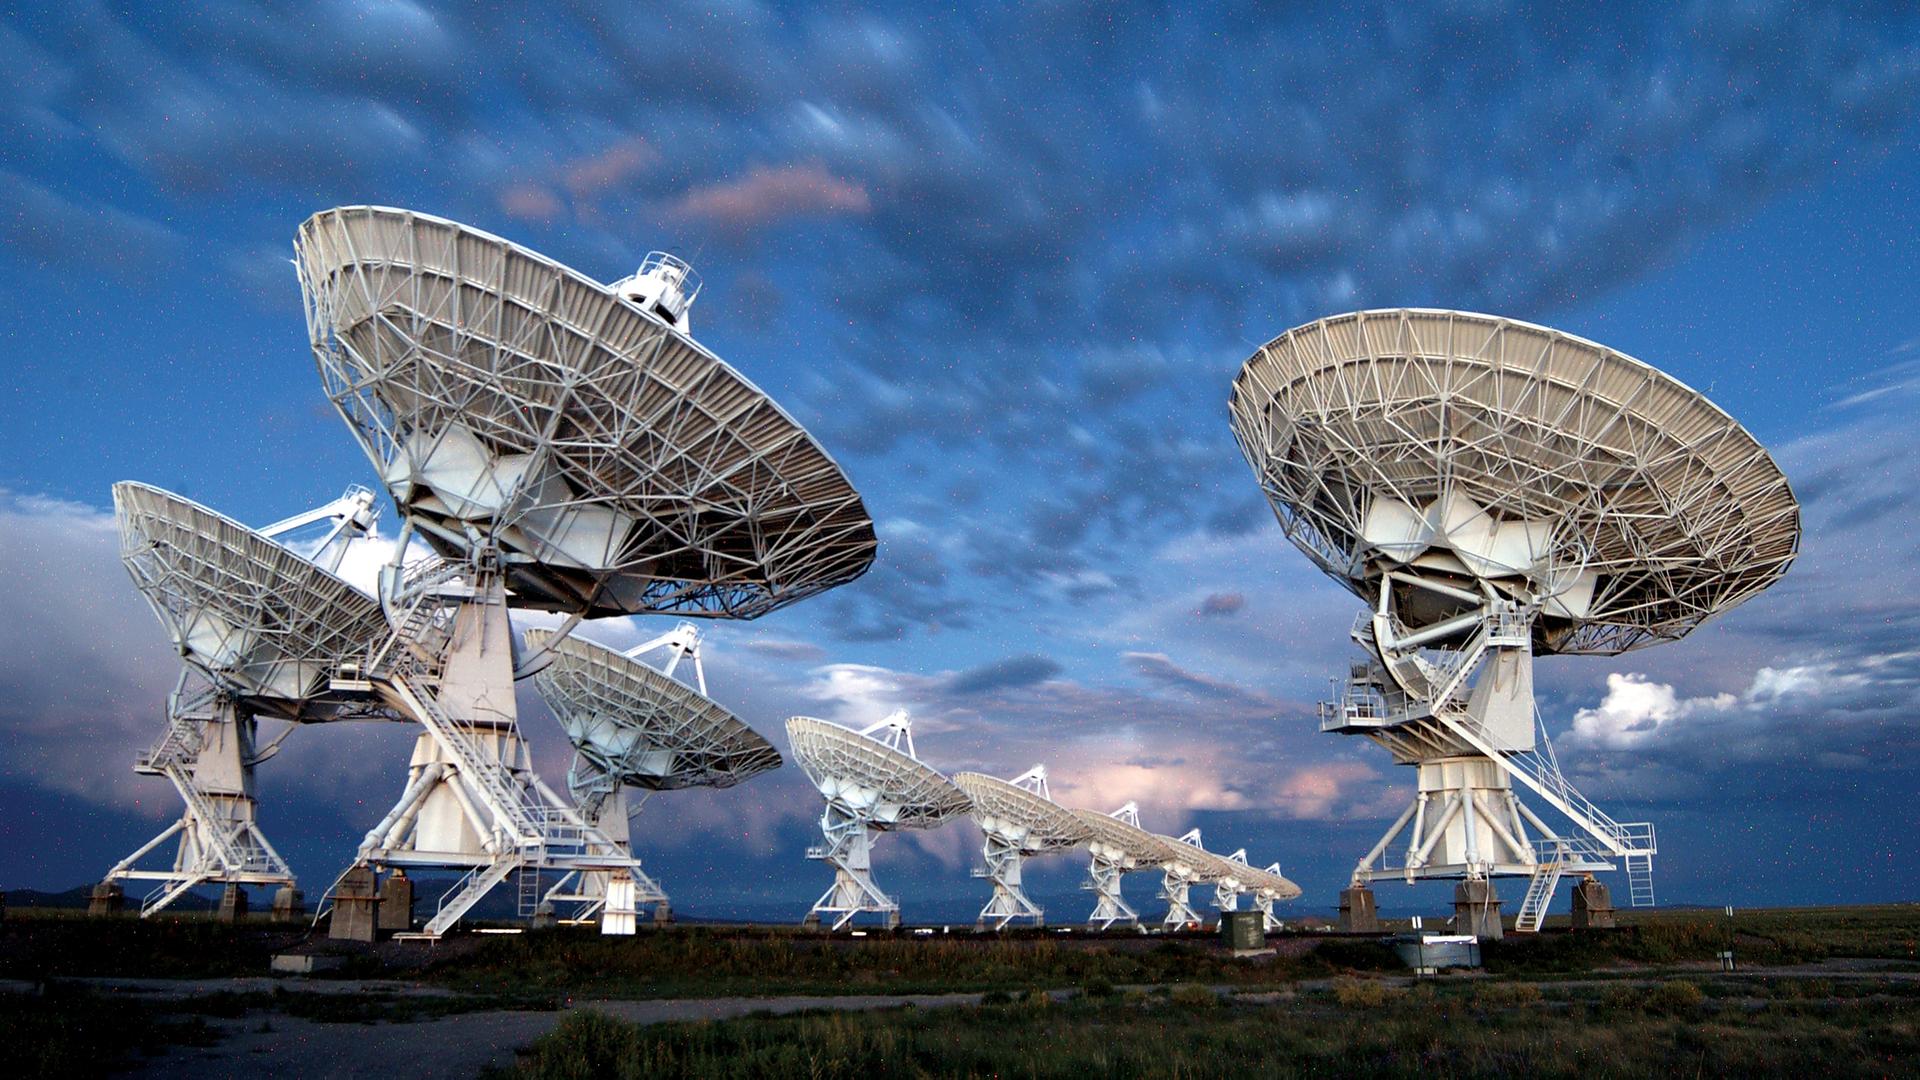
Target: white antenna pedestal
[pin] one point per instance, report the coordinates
(208, 754)
(472, 800)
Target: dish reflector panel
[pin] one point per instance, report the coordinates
(618, 466)
(889, 788)
(257, 619)
(1034, 824)
(1474, 451)
(644, 728)
(1135, 844)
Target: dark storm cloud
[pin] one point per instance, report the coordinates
(1048, 242)
(1008, 674)
(1217, 604)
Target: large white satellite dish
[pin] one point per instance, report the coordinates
(634, 726)
(260, 630)
(1117, 845)
(1019, 819)
(873, 782)
(1495, 490)
(564, 446)
(613, 464)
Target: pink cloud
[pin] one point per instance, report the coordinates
(1312, 791)
(531, 202)
(618, 163)
(766, 195)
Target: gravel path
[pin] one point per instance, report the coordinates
(452, 1046)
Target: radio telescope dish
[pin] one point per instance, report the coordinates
(1495, 490)
(632, 724)
(261, 622)
(873, 783)
(511, 403)
(1270, 886)
(1187, 864)
(1020, 819)
(1117, 845)
(260, 630)
(1498, 455)
(564, 446)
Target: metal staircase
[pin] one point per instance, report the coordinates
(1548, 868)
(467, 892)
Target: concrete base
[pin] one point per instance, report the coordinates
(663, 914)
(1476, 910)
(893, 920)
(1357, 913)
(811, 922)
(543, 917)
(289, 904)
(108, 899)
(233, 904)
(304, 964)
(356, 906)
(1592, 906)
(396, 902)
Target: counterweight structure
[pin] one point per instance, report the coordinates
(873, 782)
(1493, 491)
(1019, 820)
(563, 446)
(258, 628)
(1117, 845)
(635, 728)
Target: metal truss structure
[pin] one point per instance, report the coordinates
(563, 446)
(632, 725)
(1494, 491)
(259, 629)
(873, 782)
(1269, 886)
(1117, 846)
(1188, 864)
(1019, 820)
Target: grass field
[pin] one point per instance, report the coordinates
(1629, 1002)
(1360, 1027)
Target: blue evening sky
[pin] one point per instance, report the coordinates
(1004, 261)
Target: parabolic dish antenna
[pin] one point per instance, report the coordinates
(1117, 844)
(631, 724)
(616, 465)
(1020, 819)
(1187, 864)
(564, 446)
(1495, 490)
(1270, 886)
(1502, 455)
(260, 629)
(873, 782)
(638, 726)
(258, 620)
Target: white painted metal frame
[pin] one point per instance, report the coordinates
(872, 782)
(1117, 846)
(1495, 490)
(258, 628)
(1018, 819)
